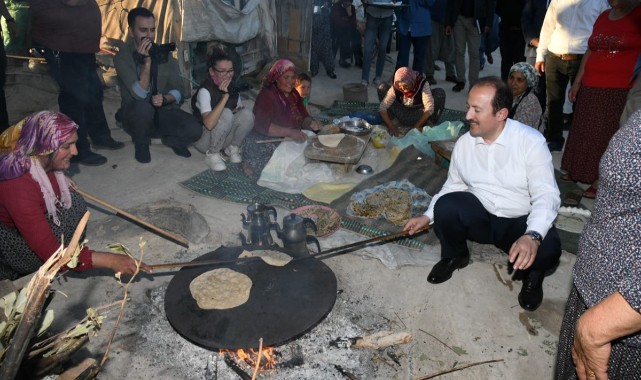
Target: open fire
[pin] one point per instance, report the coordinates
(266, 357)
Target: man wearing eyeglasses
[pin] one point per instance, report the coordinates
(149, 87)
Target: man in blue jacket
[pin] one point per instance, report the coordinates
(415, 29)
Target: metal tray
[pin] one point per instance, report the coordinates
(349, 151)
(355, 127)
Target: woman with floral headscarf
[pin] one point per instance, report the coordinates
(279, 112)
(37, 205)
(526, 107)
(409, 100)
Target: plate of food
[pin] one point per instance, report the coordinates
(395, 201)
(326, 219)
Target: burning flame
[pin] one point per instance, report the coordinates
(250, 356)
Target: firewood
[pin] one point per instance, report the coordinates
(80, 372)
(382, 339)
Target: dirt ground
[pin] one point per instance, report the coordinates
(474, 317)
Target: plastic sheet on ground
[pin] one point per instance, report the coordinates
(421, 140)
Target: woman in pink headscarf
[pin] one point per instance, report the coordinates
(37, 205)
(278, 112)
(409, 100)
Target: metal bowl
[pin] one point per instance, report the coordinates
(355, 127)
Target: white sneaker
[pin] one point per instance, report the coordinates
(376, 81)
(364, 82)
(215, 161)
(233, 152)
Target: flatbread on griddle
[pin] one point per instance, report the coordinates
(220, 289)
(274, 258)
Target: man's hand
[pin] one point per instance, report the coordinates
(540, 67)
(157, 100)
(523, 252)
(144, 47)
(416, 224)
(535, 42)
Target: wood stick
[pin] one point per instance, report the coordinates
(260, 352)
(358, 244)
(280, 139)
(439, 373)
(171, 236)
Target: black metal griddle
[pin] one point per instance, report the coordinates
(284, 302)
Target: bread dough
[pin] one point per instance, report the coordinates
(220, 289)
(331, 141)
(274, 258)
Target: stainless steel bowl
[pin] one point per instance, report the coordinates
(355, 127)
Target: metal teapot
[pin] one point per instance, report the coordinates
(294, 235)
(259, 223)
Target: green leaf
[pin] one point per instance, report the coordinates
(46, 322)
(7, 303)
(21, 302)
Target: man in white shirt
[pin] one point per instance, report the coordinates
(562, 42)
(500, 190)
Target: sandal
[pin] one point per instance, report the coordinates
(573, 197)
(566, 178)
(590, 192)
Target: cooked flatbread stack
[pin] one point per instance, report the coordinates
(393, 203)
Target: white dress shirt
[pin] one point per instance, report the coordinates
(512, 177)
(568, 25)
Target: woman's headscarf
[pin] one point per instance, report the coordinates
(410, 77)
(279, 68)
(23, 145)
(528, 71)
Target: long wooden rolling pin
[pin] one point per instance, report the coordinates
(169, 235)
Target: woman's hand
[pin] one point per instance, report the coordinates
(394, 131)
(224, 86)
(117, 263)
(297, 135)
(574, 91)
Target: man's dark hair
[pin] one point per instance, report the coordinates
(303, 77)
(216, 56)
(138, 12)
(502, 96)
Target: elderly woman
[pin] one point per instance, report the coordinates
(37, 206)
(601, 331)
(409, 100)
(279, 112)
(526, 107)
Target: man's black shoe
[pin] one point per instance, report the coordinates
(108, 143)
(459, 87)
(431, 80)
(343, 63)
(490, 59)
(142, 153)
(451, 78)
(182, 152)
(531, 294)
(443, 270)
(331, 74)
(89, 159)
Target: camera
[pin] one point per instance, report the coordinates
(160, 53)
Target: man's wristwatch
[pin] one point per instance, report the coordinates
(534, 235)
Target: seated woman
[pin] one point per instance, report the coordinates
(279, 112)
(409, 100)
(526, 107)
(225, 120)
(37, 205)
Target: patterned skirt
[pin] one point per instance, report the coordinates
(625, 361)
(256, 156)
(16, 257)
(596, 119)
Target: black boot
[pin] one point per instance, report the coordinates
(142, 153)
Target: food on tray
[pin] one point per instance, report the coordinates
(220, 289)
(331, 141)
(274, 258)
(325, 219)
(392, 203)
